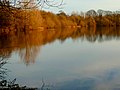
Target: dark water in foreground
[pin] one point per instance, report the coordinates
(64, 59)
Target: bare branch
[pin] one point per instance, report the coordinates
(29, 4)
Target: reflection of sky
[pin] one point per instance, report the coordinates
(70, 62)
(84, 5)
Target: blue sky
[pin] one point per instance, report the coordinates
(84, 5)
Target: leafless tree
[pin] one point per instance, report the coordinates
(30, 4)
(2, 70)
(91, 13)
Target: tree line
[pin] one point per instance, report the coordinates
(34, 19)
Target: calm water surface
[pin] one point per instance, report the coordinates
(83, 59)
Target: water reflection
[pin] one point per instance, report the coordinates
(70, 66)
(108, 81)
(28, 44)
(5, 82)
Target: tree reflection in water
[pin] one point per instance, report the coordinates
(28, 44)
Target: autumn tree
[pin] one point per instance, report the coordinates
(90, 18)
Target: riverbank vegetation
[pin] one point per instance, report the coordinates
(15, 20)
(5, 83)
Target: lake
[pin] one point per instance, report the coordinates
(64, 59)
